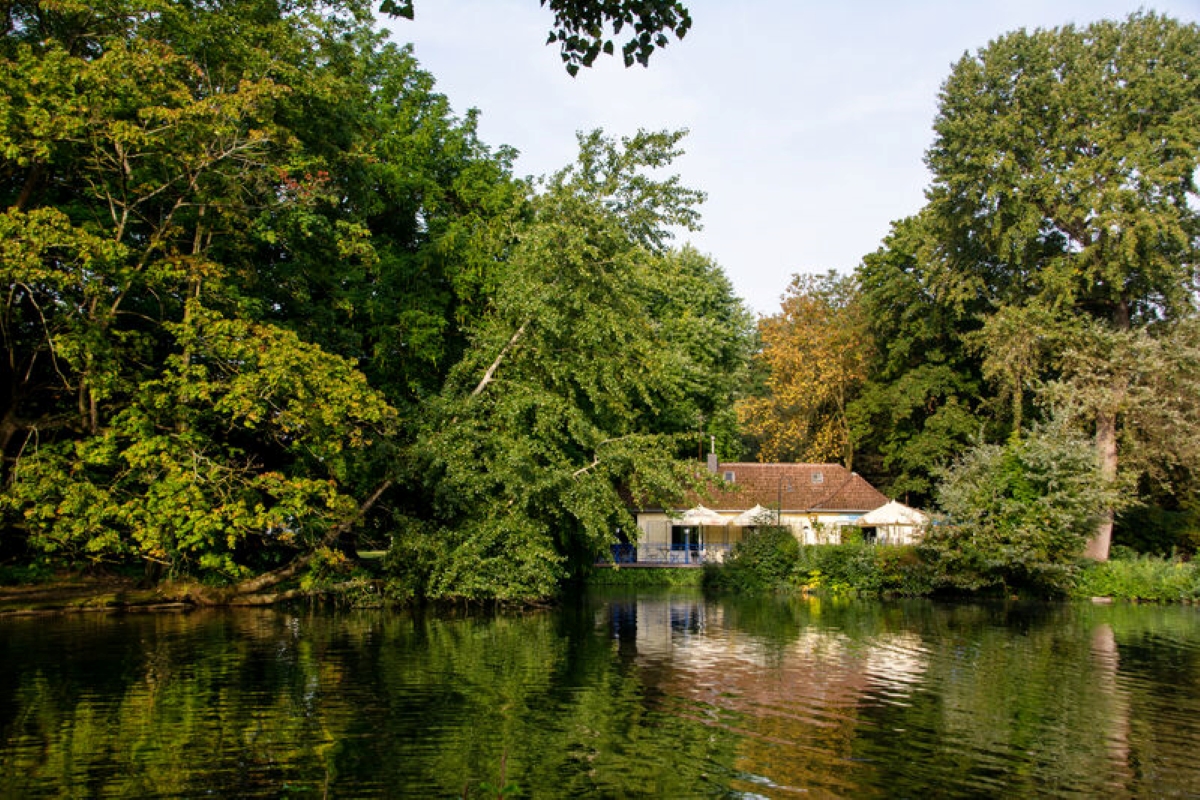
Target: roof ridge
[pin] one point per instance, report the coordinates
(780, 464)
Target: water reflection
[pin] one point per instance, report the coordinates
(611, 695)
(860, 699)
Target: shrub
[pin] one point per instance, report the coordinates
(14, 574)
(1135, 577)
(862, 569)
(645, 578)
(1019, 514)
(764, 561)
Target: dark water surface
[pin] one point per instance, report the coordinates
(611, 695)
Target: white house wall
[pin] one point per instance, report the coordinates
(655, 529)
(818, 528)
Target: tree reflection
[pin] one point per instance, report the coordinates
(668, 695)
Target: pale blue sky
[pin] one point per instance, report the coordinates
(809, 120)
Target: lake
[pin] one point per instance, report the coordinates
(608, 695)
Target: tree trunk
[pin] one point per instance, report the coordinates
(290, 570)
(1106, 451)
(1106, 444)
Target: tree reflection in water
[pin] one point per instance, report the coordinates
(610, 695)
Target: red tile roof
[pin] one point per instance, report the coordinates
(799, 487)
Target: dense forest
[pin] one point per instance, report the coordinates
(271, 301)
(268, 297)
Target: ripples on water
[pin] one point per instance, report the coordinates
(616, 695)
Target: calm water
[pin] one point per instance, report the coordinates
(613, 695)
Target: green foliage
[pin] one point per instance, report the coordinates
(918, 406)
(698, 315)
(1064, 180)
(1087, 202)
(763, 561)
(771, 559)
(1161, 523)
(856, 568)
(571, 388)
(1157, 371)
(255, 267)
(1018, 514)
(16, 574)
(1140, 577)
(646, 577)
(249, 441)
(1054, 260)
(580, 27)
(153, 415)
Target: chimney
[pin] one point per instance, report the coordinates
(712, 455)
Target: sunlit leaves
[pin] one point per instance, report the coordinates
(252, 436)
(815, 352)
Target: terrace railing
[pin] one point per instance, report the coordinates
(669, 554)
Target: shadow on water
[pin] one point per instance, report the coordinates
(612, 694)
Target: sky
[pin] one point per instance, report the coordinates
(808, 120)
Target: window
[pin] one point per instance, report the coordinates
(818, 477)
(729, 476)
(684, 537)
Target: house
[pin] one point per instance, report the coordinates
(814, 500)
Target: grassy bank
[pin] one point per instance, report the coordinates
(645, 577)
(770, 563)
(1141, 578)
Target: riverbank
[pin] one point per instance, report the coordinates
(864, 570)
(63, 592)
(857, 570)
(77, 592)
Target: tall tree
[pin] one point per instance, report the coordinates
(204, 201)
(698, 315)
(919, 405)
(573, 387)
(815, 352)
(143, 143)
(1064, 168)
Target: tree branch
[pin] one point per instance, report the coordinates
(487, 376)
(290, 570)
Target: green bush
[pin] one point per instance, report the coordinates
(764, 561)
(772, 560)
(1134, 577)
(1019, 514)
(15, 574)
(862, 569)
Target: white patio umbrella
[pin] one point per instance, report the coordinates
(759, 515)
(896, 523)
(702, 516)
(894, 513)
